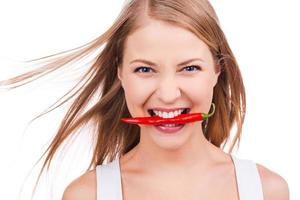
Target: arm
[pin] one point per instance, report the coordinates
(274, 186)
(81, 188)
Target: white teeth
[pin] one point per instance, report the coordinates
(168, 114)
(171, 114)
(169, 125)
(159, 113)
(165, 115)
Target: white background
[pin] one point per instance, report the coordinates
(264, 36)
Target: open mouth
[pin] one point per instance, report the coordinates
(180, 116)
(184, 111)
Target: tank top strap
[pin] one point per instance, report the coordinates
(248, 179)
(109, 181)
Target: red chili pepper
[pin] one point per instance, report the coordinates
(180, 119)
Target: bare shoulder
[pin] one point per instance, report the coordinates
(83, 187)
(274, 186)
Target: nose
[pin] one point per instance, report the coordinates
(168, 90)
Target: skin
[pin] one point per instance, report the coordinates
(181, 166)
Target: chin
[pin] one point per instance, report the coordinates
(168, 141)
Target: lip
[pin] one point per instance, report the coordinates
(169, 130)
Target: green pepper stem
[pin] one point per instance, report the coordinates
(207, 115)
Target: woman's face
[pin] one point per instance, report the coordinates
(161, 81)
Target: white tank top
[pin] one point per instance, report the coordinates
(248, 180)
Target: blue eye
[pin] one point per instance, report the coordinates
(142, 69)
(192, 68)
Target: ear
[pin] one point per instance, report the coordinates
(119, 74)
(216, 77)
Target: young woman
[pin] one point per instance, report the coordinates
(171, 91)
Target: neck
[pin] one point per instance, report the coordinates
(188, 150)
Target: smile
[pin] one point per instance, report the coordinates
(156, 120)
(179, 119)
(171, 114)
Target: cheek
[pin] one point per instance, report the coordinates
(198, 89)
(136, 94)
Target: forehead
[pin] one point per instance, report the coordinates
(161, 40)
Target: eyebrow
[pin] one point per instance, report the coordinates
(153, 64)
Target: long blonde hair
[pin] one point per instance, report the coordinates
(111, 136)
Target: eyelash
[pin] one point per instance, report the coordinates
(195, 67)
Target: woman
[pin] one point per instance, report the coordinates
(167, 59)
